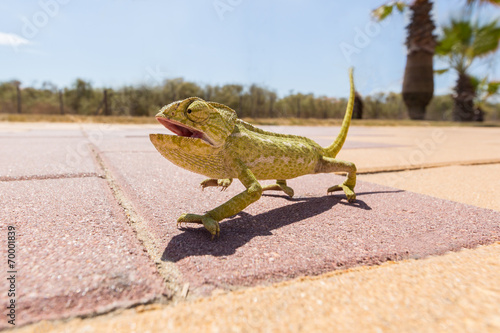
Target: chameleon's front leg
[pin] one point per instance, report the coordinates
(210, 220)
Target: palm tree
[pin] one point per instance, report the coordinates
(418, 82)
(461, 43)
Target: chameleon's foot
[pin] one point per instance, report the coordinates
(279, 186)
(209, 223)
(222, 183)
(348, 190)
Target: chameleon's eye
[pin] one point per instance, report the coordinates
(198, 111)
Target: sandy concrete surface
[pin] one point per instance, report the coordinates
(456, 292)
(422, 146)
(474, 185)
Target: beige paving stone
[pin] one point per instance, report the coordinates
(424, 146)
(475, 185)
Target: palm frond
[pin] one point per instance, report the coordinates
(462, 41)
(483, 2)
(486, 39)
(382, 12)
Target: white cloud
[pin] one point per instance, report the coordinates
(12, 39)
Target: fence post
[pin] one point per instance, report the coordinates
(106, 106)
(61, 102)
(18, 90)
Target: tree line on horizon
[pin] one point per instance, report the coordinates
(252, 101)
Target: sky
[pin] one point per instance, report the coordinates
(287, 46)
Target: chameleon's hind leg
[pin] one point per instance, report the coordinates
(279, 186)
(328, 164)
(222, 183)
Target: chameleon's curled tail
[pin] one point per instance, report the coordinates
(333, 149)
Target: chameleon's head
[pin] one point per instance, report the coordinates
(199, 120)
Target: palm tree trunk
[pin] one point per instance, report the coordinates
(463, 99)
(418, 82)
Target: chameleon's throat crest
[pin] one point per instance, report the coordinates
(184, 130)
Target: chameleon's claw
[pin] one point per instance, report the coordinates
(209, 223)
(334, 188)
(349, 192)
(280, 186)
(222, 183)
(208, 182)
(189, 218)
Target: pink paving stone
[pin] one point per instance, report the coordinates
(44, 156)
(279, 238)
(76, 254)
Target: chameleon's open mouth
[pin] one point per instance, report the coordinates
(184, 130)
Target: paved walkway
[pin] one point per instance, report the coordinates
(457, 292)
(95, 208)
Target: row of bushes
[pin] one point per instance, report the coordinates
(253, 101)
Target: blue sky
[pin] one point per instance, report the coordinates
(284, 45)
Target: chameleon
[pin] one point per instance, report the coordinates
(210, 140)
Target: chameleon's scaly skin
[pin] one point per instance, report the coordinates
(211, 141)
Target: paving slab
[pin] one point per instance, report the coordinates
(45, 156)
(425, 146)
(456, 292)
(27, 128)
(477, 185)
(76, 254)
(278, 238)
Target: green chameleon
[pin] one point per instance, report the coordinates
(212, 141)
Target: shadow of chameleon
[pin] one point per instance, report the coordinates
(243, 227)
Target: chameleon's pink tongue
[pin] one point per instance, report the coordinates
(197, 135)
(179, 130)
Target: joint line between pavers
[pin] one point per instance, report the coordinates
(167, 270)
(425, 166)
(50, 176)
